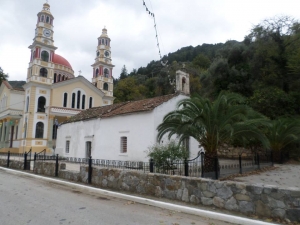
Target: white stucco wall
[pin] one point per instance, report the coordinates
(105, 135)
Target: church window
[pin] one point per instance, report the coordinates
(41, 104)
(97, 72)
(39, 130)
(17, 129)
(83, 102)
(106, 72)
(43, 72)
(73, 100)
(54, 131)
(67, 146)
(123, 148)
(183, 83)
(91, 102)
(47, 19)
(27, 103)
(103, 41)
(59, 78)
(98, 53)
(55, 77)
(106, 42)
(65, 99)
(42, 18)
(105, 86)
(25, 128)
(45, 56)
(78, 99)
(63, 77)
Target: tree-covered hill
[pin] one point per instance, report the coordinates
(264, 67)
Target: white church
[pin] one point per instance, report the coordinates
(121, 131)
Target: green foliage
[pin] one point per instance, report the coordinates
(213, 123)
(124, 73)
(164, 155)
(283, 132)
(273, 102)
(3, 76)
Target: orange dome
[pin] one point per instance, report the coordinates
(57, 59)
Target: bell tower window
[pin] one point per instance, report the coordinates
(41, 104)
(43, 72)
(47, 19)
(183, 83)
(97, 72)
(105, 86)
(42, 18)
(106, 72)
(45, 56)
(39, 130)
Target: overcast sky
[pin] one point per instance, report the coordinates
(78, 24)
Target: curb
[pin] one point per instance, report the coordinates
(155, 203)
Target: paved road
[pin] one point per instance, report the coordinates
(27, 200)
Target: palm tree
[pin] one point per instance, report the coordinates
(283, 132)
(213, 123)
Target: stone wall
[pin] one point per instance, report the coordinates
(19, 165)
(264, 201)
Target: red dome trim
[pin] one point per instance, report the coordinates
(57, 59)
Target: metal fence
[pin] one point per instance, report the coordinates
(201, 166)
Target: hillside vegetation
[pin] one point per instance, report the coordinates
(264, 68)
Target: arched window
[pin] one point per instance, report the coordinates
(78, 99)
(73, 100)
(55, 78)
(25, 128)
(39, 130)
(63, 77)
(83, 102)
(91, 102)
(43, 72)
(106, 72)
(27, 103)
(106, 42)
(103, 41)
(47, 19)
(183, 83)
(65, 99)
(97, 72)
(45, 56)
(59, 78)
(41, 104)
(42, 18)
(105, 86)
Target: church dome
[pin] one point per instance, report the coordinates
(57, 59)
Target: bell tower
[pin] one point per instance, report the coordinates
(42, 49)
(102, 68)
(182, 82)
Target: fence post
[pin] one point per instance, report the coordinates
(258, 165)
(272, 159)
(216, 167)
(56, 166)
(90, 171)
(151, 166)
(186, 168)
(8, 156)
(34, 158)
(240, 163)
(202, 164)
(25, 160)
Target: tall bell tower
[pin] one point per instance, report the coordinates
(102, 68)
(42, 49)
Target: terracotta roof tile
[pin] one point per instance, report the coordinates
(121, 108)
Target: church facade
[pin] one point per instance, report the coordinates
(30, 114)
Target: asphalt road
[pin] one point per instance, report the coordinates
(27, 200)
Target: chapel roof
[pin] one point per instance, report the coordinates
(121, 108)
(14, 85)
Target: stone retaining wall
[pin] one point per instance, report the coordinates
(19, 165)
(264, 201)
